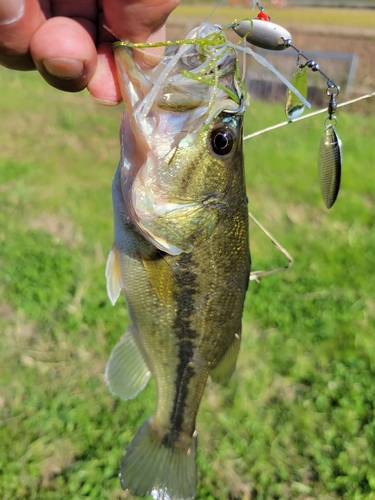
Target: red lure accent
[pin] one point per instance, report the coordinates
(263, 16)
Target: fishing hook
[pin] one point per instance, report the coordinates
(241, 107)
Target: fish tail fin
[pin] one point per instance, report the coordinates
(158, 465)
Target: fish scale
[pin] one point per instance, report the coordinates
(180, 256)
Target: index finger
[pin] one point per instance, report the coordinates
(19, 20)
(140, 21)
(137, 20)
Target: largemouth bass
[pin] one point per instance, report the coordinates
(181, 254)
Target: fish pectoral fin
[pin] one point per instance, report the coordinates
(155, 465)
(126, 372)
(113, 275)
(225, 369)
(161, 279)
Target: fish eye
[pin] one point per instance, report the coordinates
(222, 141)
(191, 58)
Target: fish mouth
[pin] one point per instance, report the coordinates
(169, 111)
(196, 79)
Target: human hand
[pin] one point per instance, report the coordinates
(66, 41)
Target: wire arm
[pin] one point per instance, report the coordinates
(309, 115)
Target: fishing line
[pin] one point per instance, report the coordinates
(261, 60)
(215, 8)
(309, 115)
(256, 275)
(264, 34)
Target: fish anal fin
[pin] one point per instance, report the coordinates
(153, 466)
(224, 370)
(126, 372)
(113, 275)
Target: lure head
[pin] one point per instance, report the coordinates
(262, 33)
(181, 129)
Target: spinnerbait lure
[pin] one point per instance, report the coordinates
(262, 33)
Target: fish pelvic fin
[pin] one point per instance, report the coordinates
(225, 369)
(113, 275)
(126, 372)
(158, 466)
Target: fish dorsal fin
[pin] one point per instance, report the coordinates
(224, 370)
(113, 275)
(126, 372)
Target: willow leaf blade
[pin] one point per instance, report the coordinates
(294, 107)
(329, 165)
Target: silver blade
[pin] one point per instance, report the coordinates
(329, 165)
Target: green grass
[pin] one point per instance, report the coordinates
(297, 419)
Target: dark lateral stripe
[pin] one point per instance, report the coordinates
(184, 373)
(184, 296)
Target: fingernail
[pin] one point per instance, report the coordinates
(150, 57)
(61, 67)
(11, 11)
(104, 102)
